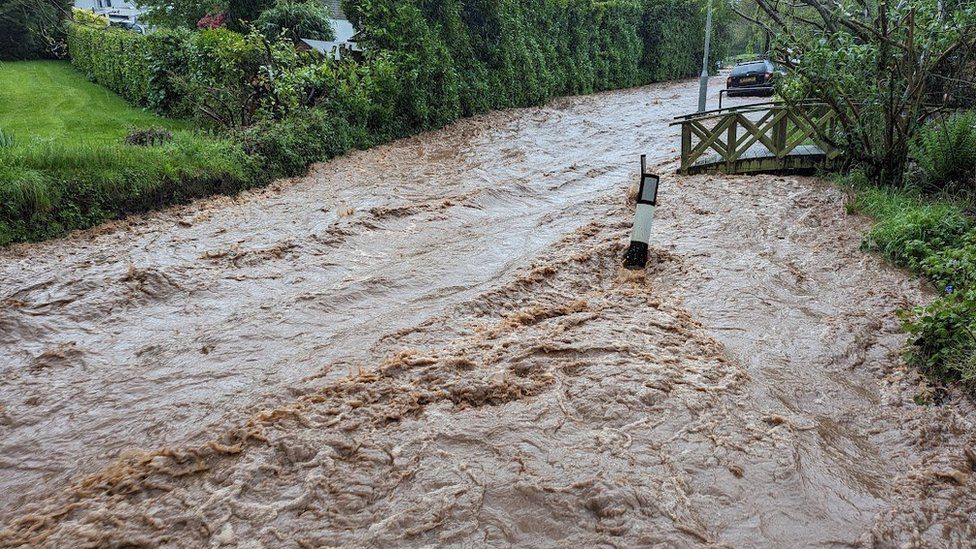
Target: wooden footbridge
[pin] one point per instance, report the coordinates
(764, 137)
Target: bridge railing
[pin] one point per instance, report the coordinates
(758, 137)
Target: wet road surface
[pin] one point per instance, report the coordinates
(431, 342)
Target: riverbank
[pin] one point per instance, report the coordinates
(934, 235)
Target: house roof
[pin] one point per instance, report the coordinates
(321, 46)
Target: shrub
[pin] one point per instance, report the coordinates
(944, 338)
(150, 137)
(954, 268)
(296, 20)
(212, 21)
(115, 58)
(241, 12)
(89, 18)
(288, 146)
(945, 150)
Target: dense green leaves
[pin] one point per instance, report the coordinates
(883, 67)
(296, 20)
(945, 151)
(32, 29)
(242, 12)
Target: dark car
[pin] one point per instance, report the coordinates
(751, 78)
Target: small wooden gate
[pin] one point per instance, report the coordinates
(766, 137)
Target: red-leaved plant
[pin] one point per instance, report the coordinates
(212, 21)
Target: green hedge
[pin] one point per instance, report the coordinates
(443, 58)
(115, 58)
(457, 57)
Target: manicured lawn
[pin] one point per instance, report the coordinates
(68, 166)
(50, 100)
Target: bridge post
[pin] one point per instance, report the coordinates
(779, 132)
(685, 147)
(730, 143)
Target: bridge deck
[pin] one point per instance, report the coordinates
(767, 137)
(759, 159)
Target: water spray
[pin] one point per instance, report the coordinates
(636, 257)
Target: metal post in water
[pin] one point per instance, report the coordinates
(636, 257)
(703, 88)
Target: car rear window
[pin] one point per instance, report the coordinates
(751, 67)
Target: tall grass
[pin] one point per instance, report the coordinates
(47, 188)
(910, 224)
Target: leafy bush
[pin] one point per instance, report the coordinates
(115, 58)
(89, 18)
(296, 20)
(944, 344)
(212, 21)
(180, 14)
(241, 12)
(286, 147)
(150, 137)
(944, 338)
(945, 150)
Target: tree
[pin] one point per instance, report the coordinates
(883, 67)
(242, 12)
(32, 28)
(296, 20)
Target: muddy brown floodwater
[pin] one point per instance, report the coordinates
(431, 342)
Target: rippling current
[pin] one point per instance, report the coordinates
(431, 342)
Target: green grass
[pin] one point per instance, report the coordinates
(51, 101)
(67, 167)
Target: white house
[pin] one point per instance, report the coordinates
(344, 43)
(126, 11)
(117, 11)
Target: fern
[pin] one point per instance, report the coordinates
(946, 151)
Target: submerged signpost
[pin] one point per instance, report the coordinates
(636, 257)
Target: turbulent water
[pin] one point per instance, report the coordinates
(431, 342)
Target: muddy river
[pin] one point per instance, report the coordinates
(432, 343)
